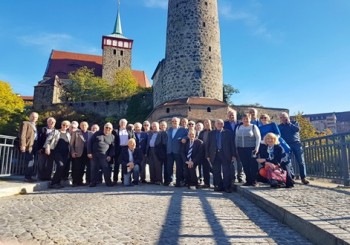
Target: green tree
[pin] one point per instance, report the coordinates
(124, 85)
(11, 109)
(83, 85)
(228, 91)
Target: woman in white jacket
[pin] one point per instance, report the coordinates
(57, 143)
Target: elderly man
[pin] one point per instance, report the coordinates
(100, 150)
(28, 145)
(175, 135)
(290, 133)
(156, 152)
(231, 124)
(131, 158)
(141, 143)
(78, 151)
(121, 137)
(220, 151)
(45, 162)
(192, 154)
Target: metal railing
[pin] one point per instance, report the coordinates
(11, 160)
(327, 157)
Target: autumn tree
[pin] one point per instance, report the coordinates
(307, 130)
(228, 91)
(124, 85)
(11, 109)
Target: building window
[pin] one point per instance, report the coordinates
(209, 48)
(203, 24)
(121, 52)
(206, 3)
(114, 51)
(208, 109)
(189, 108)
(203, 93)
(118, 63)
(167, 110)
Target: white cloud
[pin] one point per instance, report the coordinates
(58, 41)
(247, 17)
(46, 40)
(156, 3)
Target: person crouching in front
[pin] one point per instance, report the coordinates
(131, 159)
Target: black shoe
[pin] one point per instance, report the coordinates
(144, 181)
(247, 184)
(217, 189)
(29, 180)
(166, 183)
(92, 185)
(56, 186)
(109, 184)
(75, 185)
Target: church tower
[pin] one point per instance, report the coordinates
(117, 51)
(192, 65)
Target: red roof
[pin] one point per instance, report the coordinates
(27, 98)
(62, 63)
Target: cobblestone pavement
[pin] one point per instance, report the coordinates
(144, 214)
(327, 204)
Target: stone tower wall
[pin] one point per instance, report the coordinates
(114, 62)
(193, 55)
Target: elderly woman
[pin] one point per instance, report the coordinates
(272, 157)
(57, 143)
(247, 139)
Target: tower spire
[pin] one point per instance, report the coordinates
(118, 24)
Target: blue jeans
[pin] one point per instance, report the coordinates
(298, 152)
(135, 174)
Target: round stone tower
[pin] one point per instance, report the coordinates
(192, 65)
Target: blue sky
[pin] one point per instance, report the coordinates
(292, 54)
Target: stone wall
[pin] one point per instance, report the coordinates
(192, 66)
(115, 59)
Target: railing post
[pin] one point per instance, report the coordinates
(344, 161)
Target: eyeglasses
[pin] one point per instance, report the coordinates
(191, 124)
(108, 128)
(263, 117)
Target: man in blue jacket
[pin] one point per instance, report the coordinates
(290, 133)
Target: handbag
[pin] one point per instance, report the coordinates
(277, 177)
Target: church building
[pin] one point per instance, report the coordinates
(117, 54)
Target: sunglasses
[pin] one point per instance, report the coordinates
(108, 128)
(191, 124)
(263, 117)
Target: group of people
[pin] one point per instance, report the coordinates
(196, 149)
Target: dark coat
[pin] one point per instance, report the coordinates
(137, 155)
(197, 155)
(277, 153)
(159, 144)
(227, 143)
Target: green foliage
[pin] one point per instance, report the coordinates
(229, 90)
(84, 86)
(11, 109)
(64, 112)
(124, 85)
(139, 107)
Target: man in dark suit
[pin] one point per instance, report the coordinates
(231, 124)
(220, 151)
(192, 155)
(28, 145)
(122, 136)
(156, 153)
(175, 135)
(131, 158)
(141, 143)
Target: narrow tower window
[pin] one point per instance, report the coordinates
(203, 24)
(114, 51)
(208, 109)
(209, 48)
(121, 52)
(203, 93)
(206, 3)
(197, 74)
(118, 63)
(167, 110)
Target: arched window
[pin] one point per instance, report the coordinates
(208, 109)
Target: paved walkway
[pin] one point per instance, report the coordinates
(145, 214)
(149, 214)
